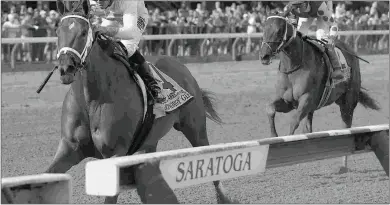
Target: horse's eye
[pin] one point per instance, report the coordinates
(84, 33)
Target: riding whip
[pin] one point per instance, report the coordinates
(46, 80)
(352, 54)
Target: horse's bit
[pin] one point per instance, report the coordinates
(285, 41)
(87, 46)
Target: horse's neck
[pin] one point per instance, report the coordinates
(104, 79)
(295, 49)
(292, 55)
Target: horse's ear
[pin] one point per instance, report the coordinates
(86, 7)
(61, 7)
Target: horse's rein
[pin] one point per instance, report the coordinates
(87, 46)
(285, 42)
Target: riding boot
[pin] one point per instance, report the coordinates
(337, 73)
(144, 71)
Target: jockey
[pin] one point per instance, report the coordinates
(126, 20)
(327, 29)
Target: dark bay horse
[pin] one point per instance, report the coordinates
(104, 105)
(302, 77)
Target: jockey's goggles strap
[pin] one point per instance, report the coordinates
(88, 44)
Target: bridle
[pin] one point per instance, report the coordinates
(285, 42)
(84, 53)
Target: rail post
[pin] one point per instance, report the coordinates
(170, 47)
(202, 45)
(13, 56)
(380, 146)
(356, 47)
(234, 46)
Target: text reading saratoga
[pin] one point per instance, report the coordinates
(201, 168)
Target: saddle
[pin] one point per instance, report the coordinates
(320, 46)
(117, 50)
(114, 49)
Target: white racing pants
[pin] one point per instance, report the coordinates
(131, 45)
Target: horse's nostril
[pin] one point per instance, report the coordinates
(62, 71)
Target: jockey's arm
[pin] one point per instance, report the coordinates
(291, 6)
(129, 30)
(333, 25)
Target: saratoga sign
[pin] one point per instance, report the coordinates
(188, 171)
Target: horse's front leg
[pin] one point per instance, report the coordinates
(112, 139)
(278, 105)
(302, 111)
(75, 143)
(308, 128)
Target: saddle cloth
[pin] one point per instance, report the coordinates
(175, 95)
(330, 83)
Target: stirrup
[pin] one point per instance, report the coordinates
(156, 92)
(158, 97)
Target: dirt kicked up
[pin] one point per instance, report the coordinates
(31, 131)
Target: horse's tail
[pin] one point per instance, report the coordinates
(367, 101)
(208, 101)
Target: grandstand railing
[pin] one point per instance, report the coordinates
(204, 36)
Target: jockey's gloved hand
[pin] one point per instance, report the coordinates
(332, 40)
(95, 20)
(96, 28)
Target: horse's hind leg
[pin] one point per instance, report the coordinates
(194, 129)
(347, 104)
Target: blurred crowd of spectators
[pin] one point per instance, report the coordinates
(24, 22)
(20, 21)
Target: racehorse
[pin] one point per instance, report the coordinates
(303, 76)
(104, 105)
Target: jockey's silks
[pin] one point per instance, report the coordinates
(312, 13)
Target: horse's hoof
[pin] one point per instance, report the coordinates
(343, 170)
(227, 201)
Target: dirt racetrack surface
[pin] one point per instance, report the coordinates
(31, 131)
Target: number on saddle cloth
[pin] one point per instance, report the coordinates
(165, 83)
(168, 85)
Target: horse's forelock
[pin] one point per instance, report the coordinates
(279, 21)
(76, 10)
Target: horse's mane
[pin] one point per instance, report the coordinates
(299, 34)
